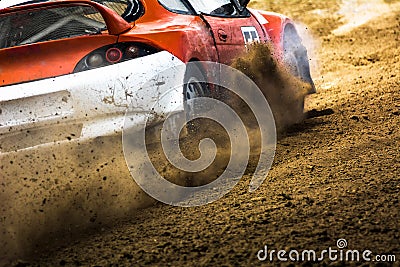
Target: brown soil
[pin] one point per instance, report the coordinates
(335, 175)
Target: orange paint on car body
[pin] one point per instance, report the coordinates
(187, 36)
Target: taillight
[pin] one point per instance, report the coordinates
(112, 54)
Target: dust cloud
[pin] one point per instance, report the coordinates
(54, 194)
(57, 193)
(285, 95)
(284, 92)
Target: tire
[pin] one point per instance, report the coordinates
(193, 88)
(296, 57)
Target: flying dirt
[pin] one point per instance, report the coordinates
(64, 190)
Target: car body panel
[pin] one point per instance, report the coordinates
(229, 35)
(170, 33)
(43, 59)
(274, 25)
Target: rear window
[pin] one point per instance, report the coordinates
(128, 9)
(40, 25)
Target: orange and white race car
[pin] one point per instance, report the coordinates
(81, 62)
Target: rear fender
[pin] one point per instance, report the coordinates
(186, 38)
(274, 25)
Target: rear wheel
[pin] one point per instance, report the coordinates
(295, 56)
(199, 127)
(194, 87)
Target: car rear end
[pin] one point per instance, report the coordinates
(66, 84)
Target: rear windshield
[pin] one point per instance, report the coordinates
(130, 10)
(39, 25)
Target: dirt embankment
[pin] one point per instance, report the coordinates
(334, 176)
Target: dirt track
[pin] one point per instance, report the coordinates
(334, 176)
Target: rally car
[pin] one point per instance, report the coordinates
(71, 71)
(75, 65)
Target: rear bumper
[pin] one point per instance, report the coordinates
(84, 105)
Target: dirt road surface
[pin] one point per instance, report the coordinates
(335, 176)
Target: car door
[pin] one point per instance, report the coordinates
(232, 30)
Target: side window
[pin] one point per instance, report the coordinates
(130, 10)
(176, 6)
(222, 8)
